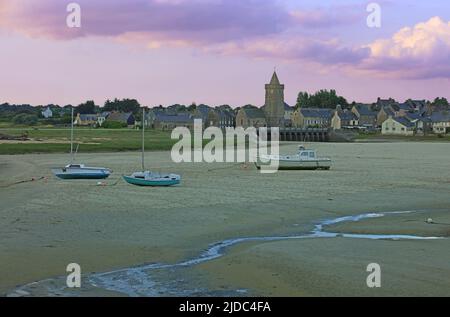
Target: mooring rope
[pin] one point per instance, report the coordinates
(244, 166)
(33, 179)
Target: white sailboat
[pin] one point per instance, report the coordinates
(149, 178)
(79, 171)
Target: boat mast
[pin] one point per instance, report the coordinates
(71, 139)
(143, 138)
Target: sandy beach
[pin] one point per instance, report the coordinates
(49, 223)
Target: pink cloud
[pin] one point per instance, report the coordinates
(422, 51)
(253, 28)
(194, 20)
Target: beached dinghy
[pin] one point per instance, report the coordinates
(305, 159)
(80, 171)
(148, 178)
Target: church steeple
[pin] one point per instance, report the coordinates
(274, 105)
(275, 80)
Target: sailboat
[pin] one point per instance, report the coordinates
(79, 171)
(149, 178)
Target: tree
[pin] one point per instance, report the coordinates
(302, 99)
(124, 105)
(86, 108)
(440, 102)
(321, 99)
(192, 107)
(26, 119)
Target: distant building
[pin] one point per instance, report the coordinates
(85, 119)
(383, 114)
(101, 118)
(47, 113)
(288, 113)
(122, 117)
(366, 116)
(422, 122)
(208, 115)
(312, 118)
(251, 117)
(163, 121)
(227, 118)
(440, 122)
(398, 126)
(274, 107)
(343, 118)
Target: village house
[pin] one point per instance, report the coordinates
(384, 103)
(417, 105)
(312, 118)
(209, 117)
(122, 117)
(101, 118)
(85, 119)
(421, 121)
(343, 118)
(398, 126)
(440, 122)
(251, 117)
(227, 118)
(366, 116)
(47, 113)
(288, 113)
(163, 121)
(383, 114)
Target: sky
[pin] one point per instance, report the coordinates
(221, 51)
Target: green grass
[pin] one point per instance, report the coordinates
(415, 138)
(105, 140)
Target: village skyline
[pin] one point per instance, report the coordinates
(219, 52)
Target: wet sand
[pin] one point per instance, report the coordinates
(47, 224)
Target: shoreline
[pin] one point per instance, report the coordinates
(112, 283)
(46, 225)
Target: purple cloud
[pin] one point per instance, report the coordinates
(194, 20)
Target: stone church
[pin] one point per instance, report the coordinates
(274, 113)
(274, 107)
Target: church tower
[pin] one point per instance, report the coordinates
(274, 106)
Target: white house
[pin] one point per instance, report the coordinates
(441, 122)
(47, 113)
(398, 126)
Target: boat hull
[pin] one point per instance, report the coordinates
(150, 182)
(71, 173)
(297, 164)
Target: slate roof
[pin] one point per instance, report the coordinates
(347, 115)
(254, 113)
(405, 122)
(441, 116)
(176, 118)
(317, 113)
(364, 110)
(119, 116)
(88, 117)
(288, 108)
(388, 111)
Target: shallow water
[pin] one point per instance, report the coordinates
(170, 279)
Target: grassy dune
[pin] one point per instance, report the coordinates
(52, 140)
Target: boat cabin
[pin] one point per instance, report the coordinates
(305, 154)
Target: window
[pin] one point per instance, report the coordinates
(312, 155)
